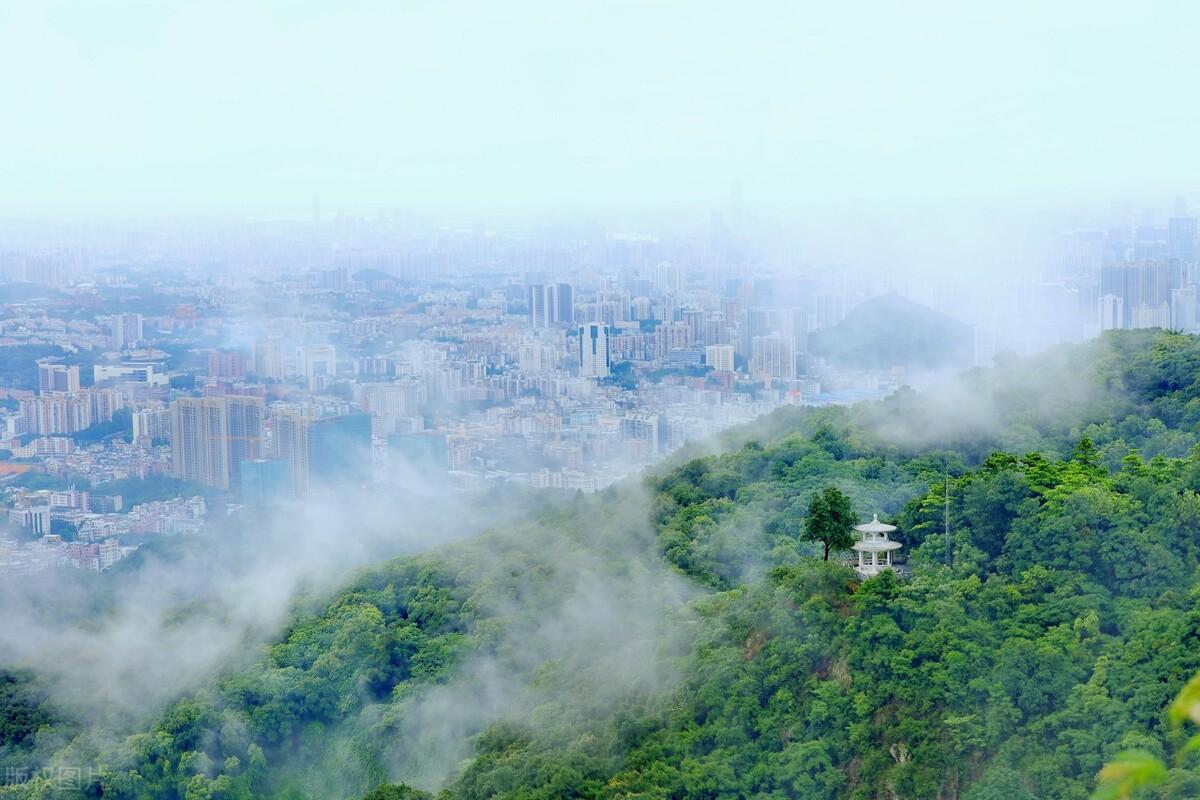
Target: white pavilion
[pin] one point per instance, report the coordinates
(874, 548)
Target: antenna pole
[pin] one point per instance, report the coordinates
(946, 515)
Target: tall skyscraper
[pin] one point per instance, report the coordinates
(1183, 240)
(268, 359)
(265, 482)
(339, 450)
(289, 442)
(1184, 309)
(694, 319)
(594, 360)
(564, 307)
(200, 440)
(551, 304)
(227, 364)
(245, 433)
(322, 452)
(774, 357)
(668, 278)
(1112, 312)
(152, 422)
(537, 305)
(57, 377)
(126, 331)
(754, 322)
(212, 436)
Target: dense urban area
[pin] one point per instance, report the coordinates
(152, 380)
(599, 400)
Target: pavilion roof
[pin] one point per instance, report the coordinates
(875, 526)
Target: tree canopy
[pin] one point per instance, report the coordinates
(1043, 647)
(830, 519)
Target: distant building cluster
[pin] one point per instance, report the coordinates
(1137, 271)
(50, 551)
(271, 364)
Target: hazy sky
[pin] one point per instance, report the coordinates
(252, 106)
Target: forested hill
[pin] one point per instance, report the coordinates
(681, 639)
(891, 330)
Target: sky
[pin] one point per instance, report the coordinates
(250, 107)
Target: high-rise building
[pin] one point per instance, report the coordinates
(200, 440)
(227, 364)
(1144, 289)
(401, 398)
(54, 377)
(551, 304)
(564, 310)
(58, 413)
(265, 482)
(774, 356)
(754, 322)
(245, 433)
(1157, 316)
(268, 359)
(322, 452)
(671, 336)
(668, 278)
(645, 429)
(537, 304)
(339, 450)
(693, 318)
(151, 423)
(126, 331)
(1112, 312)
(1183, 240)
(719, 357)
(289, 442)
(594, 360)
(1184, 309)
(318, 365)
(212, 436)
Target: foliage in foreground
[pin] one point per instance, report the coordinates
(1052, 617)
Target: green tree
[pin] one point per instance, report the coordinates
(830, 520)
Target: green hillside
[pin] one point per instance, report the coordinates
(890, 331)
(677, 638)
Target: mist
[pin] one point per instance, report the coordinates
(919, 230)
(163, 626)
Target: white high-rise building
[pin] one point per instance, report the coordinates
(773, 356)
(268, 359)
(1184, 309)
(1112, 312)
(594, 360)
(668, 277)
(1155, 316)
(152, 422)
(719, 357)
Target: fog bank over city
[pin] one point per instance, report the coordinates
(441, 392)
